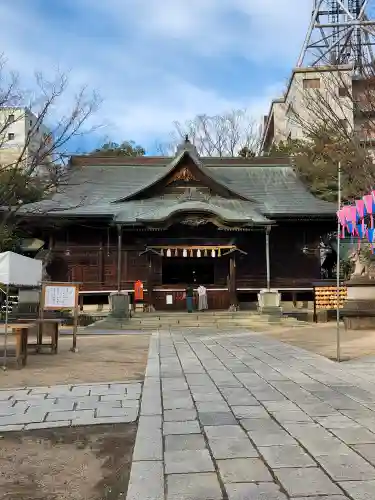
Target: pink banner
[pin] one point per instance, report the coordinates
(360, 206)
(351, 215)
(368, 200)
(341, 217)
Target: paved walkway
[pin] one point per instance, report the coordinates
(243, 417)
(66, 405)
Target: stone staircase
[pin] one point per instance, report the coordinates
(217, 320)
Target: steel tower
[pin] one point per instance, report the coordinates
(340, 32)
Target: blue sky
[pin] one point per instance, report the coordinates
(157, 61)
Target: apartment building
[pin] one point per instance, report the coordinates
(22, 139)
(331, 95)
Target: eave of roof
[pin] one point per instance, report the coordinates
(226, 210)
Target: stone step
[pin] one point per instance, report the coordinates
(208, 314)
(206, 320)
(219, 327)
(227, 320)
(198, 324)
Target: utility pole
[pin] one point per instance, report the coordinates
(338, 340)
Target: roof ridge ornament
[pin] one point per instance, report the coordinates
(187, 147)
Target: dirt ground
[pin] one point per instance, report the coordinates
(91, 463)
(99, 359)
(321, 338)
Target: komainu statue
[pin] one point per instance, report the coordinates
(360, 265)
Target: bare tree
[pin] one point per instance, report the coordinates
(219, 135)
(336, 115)
(36, 132)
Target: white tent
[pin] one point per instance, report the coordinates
(18, 271)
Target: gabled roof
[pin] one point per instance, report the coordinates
(186, 150)
(266, 187)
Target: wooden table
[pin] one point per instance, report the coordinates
(22, 334)
(45, 326)
(48, 327)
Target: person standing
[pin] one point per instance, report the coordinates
(202, 298)
(189, 292)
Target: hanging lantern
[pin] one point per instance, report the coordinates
(213, 253)
(191, 253)
(162, 252)
(176, 253)
(219, 252)
(169, 253)
(205, 252)
(198, 253)
(184, 253)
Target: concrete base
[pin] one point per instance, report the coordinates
(119, 315)
(269, 303)
(120, 305)
(360, 323)
(358, 312)
(139, 307)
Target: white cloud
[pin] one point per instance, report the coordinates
(148, 60)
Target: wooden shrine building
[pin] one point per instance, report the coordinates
(235, 225)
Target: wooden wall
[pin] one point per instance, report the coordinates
(91, 255)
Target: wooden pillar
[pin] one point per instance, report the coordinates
(268, 266)
(119, 257)
(232, 281)
(101, 261)
(150, 283)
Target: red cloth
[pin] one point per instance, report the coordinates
(138, 290)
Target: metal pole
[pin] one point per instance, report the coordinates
(6, 327)
(268, 258)
(338, 340)
(119, 255)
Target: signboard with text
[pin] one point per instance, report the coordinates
(60, 296)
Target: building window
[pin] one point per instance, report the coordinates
(343, 92)
(10, 137)
(11, 118)
(311, 83)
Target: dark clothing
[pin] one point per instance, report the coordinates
(189, 298)
(189, 304)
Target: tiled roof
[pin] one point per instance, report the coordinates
(159, 209)
(94, 186)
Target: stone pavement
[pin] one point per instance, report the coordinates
(244, 417)
(66, 405)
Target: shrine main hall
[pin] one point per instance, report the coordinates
(235, 225)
